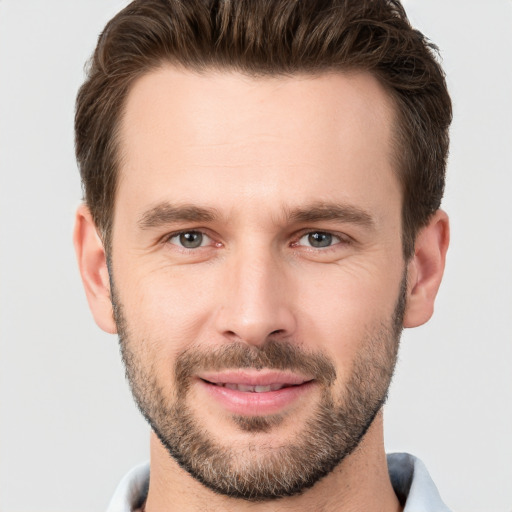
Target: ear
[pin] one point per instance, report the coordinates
(425, 269)
(92, 262)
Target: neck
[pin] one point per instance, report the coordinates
(360, 482)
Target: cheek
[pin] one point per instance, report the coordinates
(166, 310)
(170, 308)
(338, 313)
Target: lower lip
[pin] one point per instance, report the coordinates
(256, 404)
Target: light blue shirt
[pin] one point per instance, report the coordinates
(409, 476)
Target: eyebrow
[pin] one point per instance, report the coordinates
(318, 212)
(167, 213)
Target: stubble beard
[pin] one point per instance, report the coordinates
(257, 472)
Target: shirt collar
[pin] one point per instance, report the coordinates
(413, 485)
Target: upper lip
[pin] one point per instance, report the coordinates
(254, 378)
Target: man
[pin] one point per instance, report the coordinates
(262, 188)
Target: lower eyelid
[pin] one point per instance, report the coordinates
(209, 241)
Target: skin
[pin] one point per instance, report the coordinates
(252, 151)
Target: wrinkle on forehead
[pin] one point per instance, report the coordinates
(242, 145)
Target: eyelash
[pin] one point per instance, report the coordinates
(167, 239)
(343, 239)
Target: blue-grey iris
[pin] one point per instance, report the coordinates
(320, 239)
(191, 239)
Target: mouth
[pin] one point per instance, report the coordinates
(247, 388)
(255, 392)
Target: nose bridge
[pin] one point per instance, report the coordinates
(257, 298)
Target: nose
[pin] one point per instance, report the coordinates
(256, 301)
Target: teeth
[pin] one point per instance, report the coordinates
(243, 387)
(252, 389)
(262, 389)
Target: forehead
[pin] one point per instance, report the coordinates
(186, 135)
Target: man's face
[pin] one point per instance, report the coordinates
(257, 270)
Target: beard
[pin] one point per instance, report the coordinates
(258, 471)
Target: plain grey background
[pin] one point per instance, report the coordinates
(68, 427)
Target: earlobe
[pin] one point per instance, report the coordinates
(425, 269)
(92, 263)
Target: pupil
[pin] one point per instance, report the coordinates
(191, 240)
(320, 239)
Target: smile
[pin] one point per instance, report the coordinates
(246, 388)
(254, 393)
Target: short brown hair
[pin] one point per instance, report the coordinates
(270, 37)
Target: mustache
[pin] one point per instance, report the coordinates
(273, 355)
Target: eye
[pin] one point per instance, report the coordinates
(190, 239)
(319, 239)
